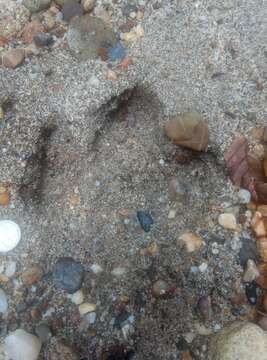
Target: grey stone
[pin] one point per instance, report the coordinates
(3, 302)
(68, 275)
(88, 35)
(43, 332)
(36, 5)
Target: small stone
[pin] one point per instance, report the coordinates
(91, 318)
(86, 308)
(10, 235)
(13, 58)
(78, 297)
(36, 5)
(228, 221)
(88, 5)
(32, 276)
(111, 75)
(145, 220)
(22, 345)
(97, 269)
(30, 30)
(251, 292)
(3, 279)
(41, 39)
(204, 307)
(116, 52)
(203, 267)
(43, 332)
(4, 196)
(68, 274)
(127, 330)
(119, 271)
(10, 269)
(192, 241)
(240, 340)
(263, 210)
(251, 272)
(136, 33)
(172, 214)
(177, 189)
(152, 249)
(160, 289)
(2, 114)
(244, 196)
(3, 302)
(71, 9)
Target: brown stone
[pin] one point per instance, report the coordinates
(13, 58)
(30, 30)
(32, 275)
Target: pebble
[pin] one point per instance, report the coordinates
(22, 345)
(228, 221)
(203, 267)
(43, 332)
(111, 75)
(13, 58)
(10, 269)
(97, 269)
(192, 241)
(145, 220)
(71, 9)
(91, 318)
(160, 289)
(4, 196)
(135, 34)
(32, 276)
(10, 235)
(88, 35)
(3, 302)
(2, 114)
(251, 292)
(204, 307)
(240, 340)
(42, 39)
(36, 5)
(88, 5)
(116, 52)
(119, 271)
(86, 308)
(251, 272)
(244, 196)
(68, 275)
(78, 297)
(172, 214)
(177, 189)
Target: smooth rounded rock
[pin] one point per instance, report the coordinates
(68, 275)
(43, 332)
(89, 36)
(241, 340)
(86, 308)
(3, 302)
(228, 221)
(20, 345)
(88, 5)
(36, 5)
(10, 235)
(78, 297)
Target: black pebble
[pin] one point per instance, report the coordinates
(41, 39)
(251, 292)
(145, 220)
(68, 275)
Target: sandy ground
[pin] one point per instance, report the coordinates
(74, 163)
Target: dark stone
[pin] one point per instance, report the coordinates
(120, 319)
(41, 39)
(68, 275)
(21, 307)
(248, 251)
(182, 344)
(71, 9)
(251, 292)
(145, 220)
(117, 353)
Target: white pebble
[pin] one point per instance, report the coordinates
(9, 235)
(161, 162)
(97, 269)
(91, 318)
(228, 221)
(203, 267)
(171, 214)
(251, 272)
(10, 269)
(86, 308)
(119, 271)
(21, 345)
(244, 196)
(3, 302)
(78, 297)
